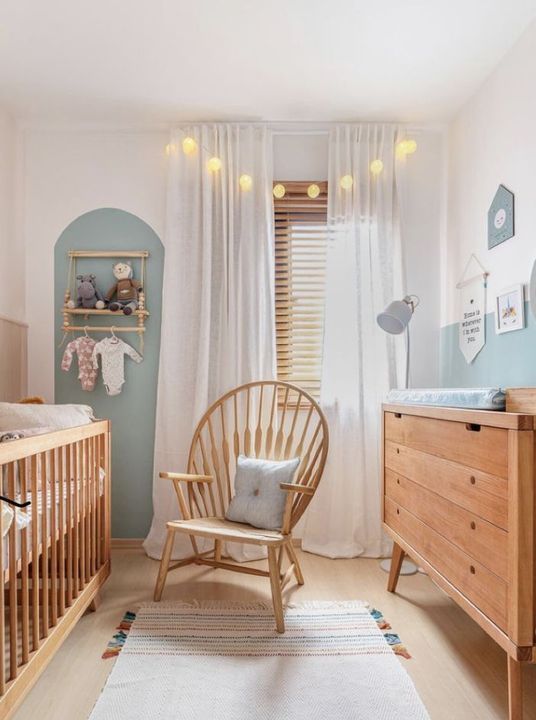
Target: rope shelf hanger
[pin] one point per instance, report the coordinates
(70, 292)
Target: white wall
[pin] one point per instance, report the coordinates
(11, 247)
(492, 141)
(66, 174)
(69, 172)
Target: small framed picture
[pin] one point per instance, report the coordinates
(510, 309)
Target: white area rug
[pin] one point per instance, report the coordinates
(225, 661)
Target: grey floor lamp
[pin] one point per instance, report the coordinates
(394, 320)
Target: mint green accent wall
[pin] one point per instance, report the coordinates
(133, 411)
(507, 360)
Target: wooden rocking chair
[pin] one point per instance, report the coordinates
(266, 419)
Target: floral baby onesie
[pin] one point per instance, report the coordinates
(112, 351)
(83, 346)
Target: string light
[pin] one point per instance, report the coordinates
(189, 146)
(214, 164)
(170, 149)
(346, 182)
(313, 191)
(376, 166)
(279, 191)
(246, 181)
(406, 147)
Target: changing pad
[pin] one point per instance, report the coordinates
(473, 398)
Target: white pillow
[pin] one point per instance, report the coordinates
(258, 500)
(22, 416)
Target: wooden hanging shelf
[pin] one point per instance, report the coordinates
(108, 253)
(93, 311)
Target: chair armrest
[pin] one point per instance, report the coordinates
(293, 487)
(186, 477)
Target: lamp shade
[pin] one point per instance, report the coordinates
(395, 318)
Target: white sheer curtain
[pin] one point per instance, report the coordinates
(218, 318)
(360, 362)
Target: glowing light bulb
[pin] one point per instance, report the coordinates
(246, 181)
(189, 146)
(214, 164)
(346, 182)
(376, 166)
(313, 191)
(279, 191)
(406, 147)
(171, 149)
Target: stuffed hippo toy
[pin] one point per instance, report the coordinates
(125, 293)
(88, 294)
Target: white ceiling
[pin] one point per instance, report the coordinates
(156, 61)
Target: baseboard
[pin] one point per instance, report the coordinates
(127, 543)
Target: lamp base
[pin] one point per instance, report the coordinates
(408, 568)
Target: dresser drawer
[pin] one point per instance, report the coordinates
(482, 587)
(477, 446)
(481, 493)
(482, 541)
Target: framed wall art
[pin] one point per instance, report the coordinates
(510, 309)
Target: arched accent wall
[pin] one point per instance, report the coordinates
(133, 411)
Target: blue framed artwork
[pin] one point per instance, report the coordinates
(501, 217)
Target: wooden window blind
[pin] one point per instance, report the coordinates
(300, 268)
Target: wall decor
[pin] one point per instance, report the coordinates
(510, 309)
(501, 217)
(472, 326)
(532, 290)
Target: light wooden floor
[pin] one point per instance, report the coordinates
(459, 672)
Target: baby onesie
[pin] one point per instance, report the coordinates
(112, 351)
(83, 346)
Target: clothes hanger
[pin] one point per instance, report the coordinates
(114, 337)
(85, 331)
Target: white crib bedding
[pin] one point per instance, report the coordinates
(74, 486)
(470, 398)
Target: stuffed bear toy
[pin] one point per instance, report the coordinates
(125, 291)
(88, 294)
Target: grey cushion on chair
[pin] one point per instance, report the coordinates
(258, 500)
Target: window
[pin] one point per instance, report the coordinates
(300, 268)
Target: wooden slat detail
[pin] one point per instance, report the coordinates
(483, 541)
(472, 444)
(300, 266)
(476, 582)
(479, 492)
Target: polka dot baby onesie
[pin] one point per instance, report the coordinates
(112, 351)
(83, 347)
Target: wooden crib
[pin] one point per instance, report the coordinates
(52, 569)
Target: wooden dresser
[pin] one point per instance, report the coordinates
(459, 498)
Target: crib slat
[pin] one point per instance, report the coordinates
(99, 524)
(35, 556)
(87, 519)
(108, 495)
(61, 526)
(13, 612)
(69, 519)
(94, 496)
(24, 588)
(53, 545)
(2, 604)
(44, 539)
(76, 525)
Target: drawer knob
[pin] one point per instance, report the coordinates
(398, 481)
(397, 511)
(473, 479)
(472, 569)
(398, 451)
(473, 525)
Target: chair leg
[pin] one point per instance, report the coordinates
(164, 565)
(293, 557)
(275, 583)
(217, 550)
